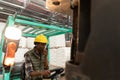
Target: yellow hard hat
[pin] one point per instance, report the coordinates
(41, 38)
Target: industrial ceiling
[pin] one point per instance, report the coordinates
(34, 9)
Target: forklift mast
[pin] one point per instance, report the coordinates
(96, 41)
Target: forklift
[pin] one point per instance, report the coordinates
(10, 41)
(95, 48)
(96, 41)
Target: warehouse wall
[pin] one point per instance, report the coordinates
(59, 53)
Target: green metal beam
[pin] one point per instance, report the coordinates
(25, 17)
(17, 79)
(24, 28)
(35, 31)
(53, 33)
(10, 23)
(48, 50)
(30, 30)
(2, 41)
(7, 76)
(41, 31)
(29, 35)
(41, 25)
(48, 31)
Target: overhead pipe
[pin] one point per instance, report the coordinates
(21, 7)
(48, 22)
(37, 14)
(29, 18)
(8, 3)
(47, 11)
(5, 13)
(47, 17)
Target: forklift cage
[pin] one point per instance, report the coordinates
(32, 28)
